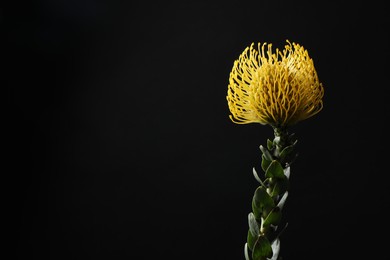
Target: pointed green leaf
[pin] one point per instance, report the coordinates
(261, 202)
(280, 186)
(273, 217)
(251, 240)
(270, 144)
(286, 151)
(253, 226)
(266, 153)
(257, 210)
(275, 170)
(262, 249)
(262, 198)
(264, 163)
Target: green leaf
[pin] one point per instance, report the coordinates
(274, 170)
(253, 226)
(257, 210)
(266, 153)
(273, 217)
(270, 144)
(261, 202)
(264, 163)
(262, 198)
(251, 240)
(286, 151)
(262, 249)
(280, 186)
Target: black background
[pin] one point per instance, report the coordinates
(120, 141)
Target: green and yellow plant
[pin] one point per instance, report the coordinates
(280, 89)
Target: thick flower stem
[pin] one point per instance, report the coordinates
(269, 198)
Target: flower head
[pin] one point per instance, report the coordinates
(277, 88)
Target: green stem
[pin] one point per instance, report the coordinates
(280, 140)
(268, 197)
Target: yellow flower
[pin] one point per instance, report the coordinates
(277, 88)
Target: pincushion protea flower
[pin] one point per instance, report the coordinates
(277, 88)
(280, 89)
